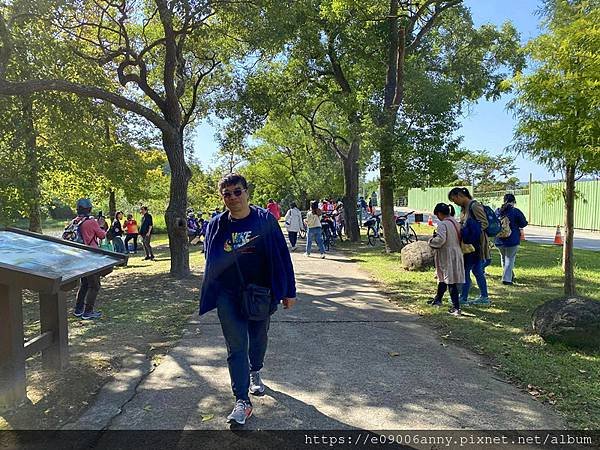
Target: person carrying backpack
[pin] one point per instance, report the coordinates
(89, 232)
(509, 238)
(473, 211)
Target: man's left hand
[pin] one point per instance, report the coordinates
(288, 302)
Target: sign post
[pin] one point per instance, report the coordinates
(51, 267)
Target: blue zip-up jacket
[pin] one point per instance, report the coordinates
(517, 220)
(283, 283)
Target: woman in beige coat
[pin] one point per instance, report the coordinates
(449, 264)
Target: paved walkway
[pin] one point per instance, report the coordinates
(344, 357)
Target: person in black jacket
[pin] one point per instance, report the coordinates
(146, 232)
(116, 233)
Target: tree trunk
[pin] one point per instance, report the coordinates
(112, 204)
(386, 186)
(175, 214)
(351, 173)
(568, 263)
(33, 191)
(393, 97)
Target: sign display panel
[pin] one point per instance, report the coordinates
(48, 258)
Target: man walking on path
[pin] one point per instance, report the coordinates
(146, 232)
(248, 271)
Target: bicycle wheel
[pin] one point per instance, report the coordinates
(326, 241)
(412, 235)
(371, 238)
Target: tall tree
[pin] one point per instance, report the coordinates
(558, 105)
(331, 73)
(409, 23)
(44, 127)
(160, 54)
(288, 164)
(484, 171)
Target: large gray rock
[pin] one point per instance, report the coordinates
(417, 256)
(572, 321)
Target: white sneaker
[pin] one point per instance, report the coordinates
(306, 254)
(257, 387)
(241, 411)
(322, 255)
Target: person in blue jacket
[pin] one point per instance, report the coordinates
(509, 245)
(252, 236)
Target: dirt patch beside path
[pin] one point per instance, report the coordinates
(144, 311)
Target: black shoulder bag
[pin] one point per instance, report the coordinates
(255, 302)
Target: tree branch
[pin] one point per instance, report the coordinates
(166, 18)
(338, 72)
(140, 80)
(438, 9)
(27, 87)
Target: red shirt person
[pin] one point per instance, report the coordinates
(90, 285)
(273, 208)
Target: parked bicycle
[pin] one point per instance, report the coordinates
(302, 232)
(327, 225)
(374, 230)
(406, 231)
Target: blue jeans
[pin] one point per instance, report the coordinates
(246, 343)
(118, 245)
(485, 263)
(315, 233)
(507, 259)
(475, 265)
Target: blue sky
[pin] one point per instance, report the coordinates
(488, 125)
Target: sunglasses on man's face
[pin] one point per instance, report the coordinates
(236, 192)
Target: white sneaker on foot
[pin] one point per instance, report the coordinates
(257, 387)
(241, 411)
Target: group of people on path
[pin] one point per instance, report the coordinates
(462, 246)
(249, 273)
(120, 233)
(326, 216)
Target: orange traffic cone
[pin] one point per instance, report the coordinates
(558, 240)
(522, 234)
(430, 221)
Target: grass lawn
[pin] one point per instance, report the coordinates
(144, 312)
(565, 378)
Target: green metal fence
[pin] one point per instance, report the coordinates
(424, 200)
(543, 204)
(547, 205)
